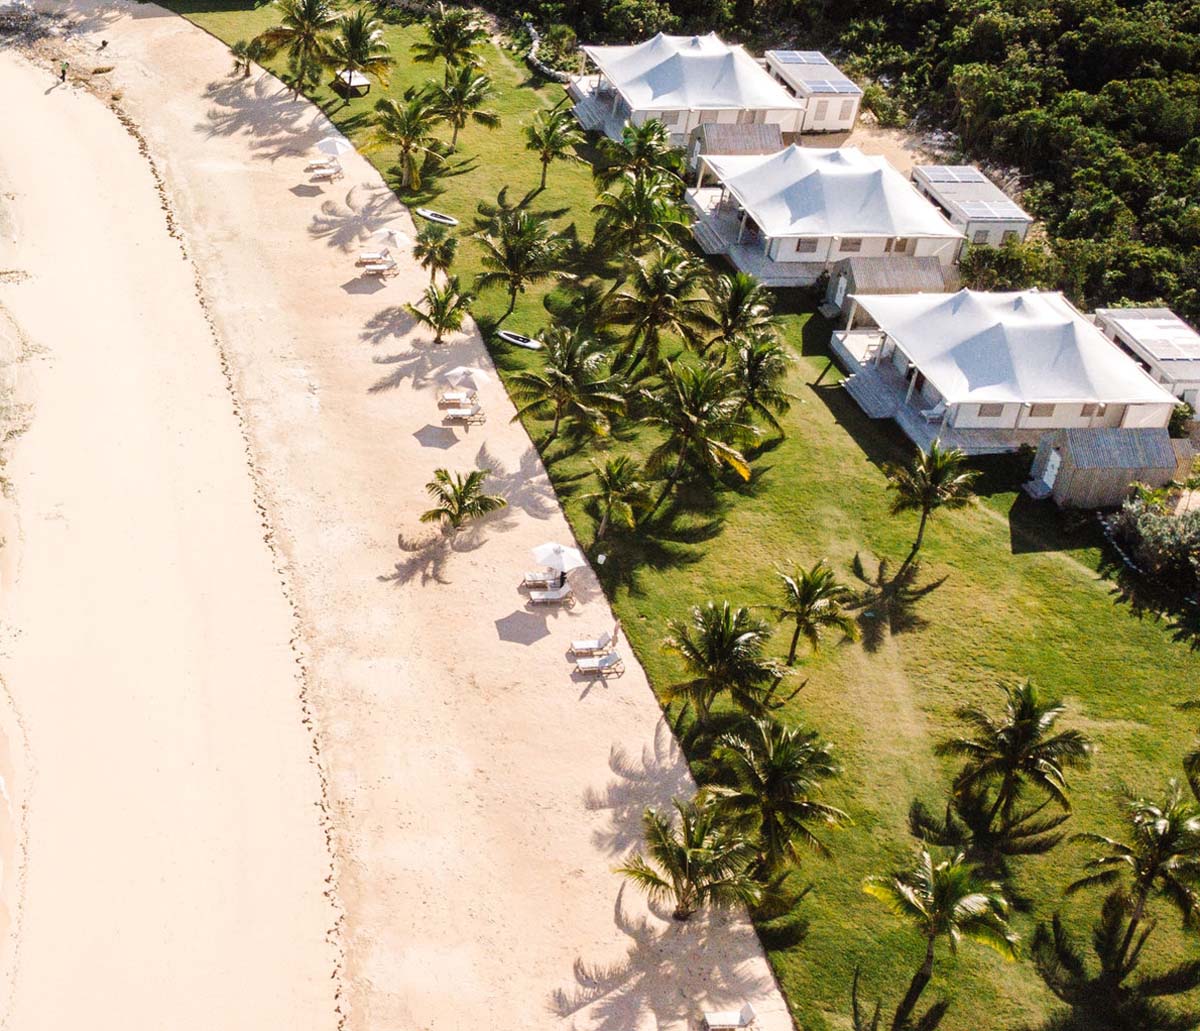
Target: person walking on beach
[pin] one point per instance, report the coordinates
(62, 72)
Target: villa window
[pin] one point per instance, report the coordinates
(708, 116)
(1087, 411)
(982, 236)
(991, 411)
(806, 245)
(822, 110)
(850, 245)
(1041, 411)
(1010, 236)
(847, 110)
(670, 118)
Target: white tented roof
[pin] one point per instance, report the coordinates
(811, 72)
(807, 191)
(1027, 347)
(1160, 336)
(690, 73)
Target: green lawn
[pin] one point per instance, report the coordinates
(1021, 597)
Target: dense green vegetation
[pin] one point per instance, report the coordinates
(1000, 589)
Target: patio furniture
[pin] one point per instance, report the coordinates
(456, 398)
(351, 84)
(466, 415)
(328, 174)
(609, 664)
(594, 646)
(558, 596)
(730, 1019)
(935, 414)
(546, 578)
(373, 257)
(322, 165)
(380, 268)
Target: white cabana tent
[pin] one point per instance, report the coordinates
(683, 81)
(1024, 360)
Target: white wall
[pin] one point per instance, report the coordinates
(788, 121)
(823, 112)
(995, 230)
(1065, 416)
(945, 250)
(1147, 415)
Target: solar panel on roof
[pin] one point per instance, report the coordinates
(953, 174)
(829, 85)
(799, 57)
(990, 209)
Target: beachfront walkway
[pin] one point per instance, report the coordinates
(481, 795)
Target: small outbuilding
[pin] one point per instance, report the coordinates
(351, 84)
(987, 216)
(894, 274)
(1161, 343)
(1093, 468)
(723, 138)
(831, 99)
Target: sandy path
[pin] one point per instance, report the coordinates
(176, 859)
(481, 798)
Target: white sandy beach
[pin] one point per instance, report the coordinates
(480, 797)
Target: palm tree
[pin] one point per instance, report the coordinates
(722, 652)
(643, 150)
(812, 600)
(621, 493)
(768, 780)
(434, 249)
(697, 410)
(445, 308)
(453, 36)
(1160, 859)
(761, 364)
(408, 125)
(572, 382)
(553, 136)
(664, 295)
(519, 249)
(303, 32)
(359, 46)
(461, 99)
(1018, 751)
(245, 53)
(699, 862)
(943, 900)
(933, 481)
(741, 308)
(639, 213)
(459, 498)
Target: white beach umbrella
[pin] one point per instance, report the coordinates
(559, 556)
(467, 375)
(334, 145)
(393, 237)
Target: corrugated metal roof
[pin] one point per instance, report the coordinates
(1119, 448)
(716, 138)
(896, 273)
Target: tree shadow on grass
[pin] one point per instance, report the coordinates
(434, 179)
(887, 603)
(669, 542)
(880, 440)
(1180, 617)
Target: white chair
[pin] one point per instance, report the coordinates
(730, 1019)
(557, 595)
(545, 579)
(373, 257)
(467, 415)
(594, 646)
(610, 664)
(323, 165)
(328, 174)
(380, 268)
(456, 398)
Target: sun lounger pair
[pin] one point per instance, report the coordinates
(466, 415)
(381, 268)
(456, 398)
(328, 174)
(373, 257)
(545, 579)
(323, 165)
(731, 1020)
(555, 596)
(609, 664)
(593, 646)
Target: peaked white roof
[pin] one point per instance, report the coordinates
(1026, 347)
(810, 191)
(690, 73)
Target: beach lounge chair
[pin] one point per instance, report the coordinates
(558, 595)
(730, 1019)
(328, 174)
(322, 164)
(608, 665)
(593, 646)
(467, 415)
(373, 257)
(546, 578)
(380, 268)
(456, 398)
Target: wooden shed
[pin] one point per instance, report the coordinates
(1093, 468)
(723, 138)
(891, 274)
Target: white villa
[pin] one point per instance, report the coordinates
(831, 99)
(788, 216)
(976, 205)
(988, 372)
(1161, 342)
(682, 81)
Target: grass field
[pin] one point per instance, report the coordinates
(1021, 598)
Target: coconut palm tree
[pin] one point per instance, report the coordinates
(768, 782)
(696, 409)
(620, 495)
(573, 382)
(553, 135)
(662, 296)
(643, 150)
(445, 308)
(303, 34)
(947, 899)
(454, 34)
(244, 53)
(408, 125)
(742, 308)
(1017, 752)
(935, 480)
(461, 99)
(359, 46)
(761, 364)
(722, 652)
(459, 498)
(435, 248)
(812, 601)
(519, 249)
(699, 862)
(1160, 859)
(639, 212)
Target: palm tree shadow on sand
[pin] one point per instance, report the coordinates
(671, 970)
(350, 222)
(263, 110)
